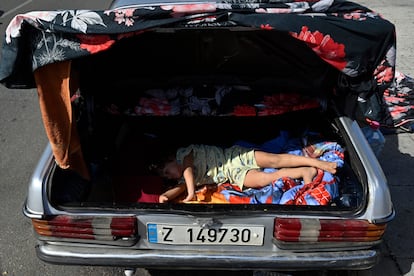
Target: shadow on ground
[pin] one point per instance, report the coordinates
(397, 162)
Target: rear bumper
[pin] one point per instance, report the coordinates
(344, 260)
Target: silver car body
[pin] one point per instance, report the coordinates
(140, 252)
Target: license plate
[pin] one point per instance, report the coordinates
(196, 235)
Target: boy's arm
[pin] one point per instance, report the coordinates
(189, 176)
(172, 193)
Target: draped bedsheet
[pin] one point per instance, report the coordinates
(399, 99)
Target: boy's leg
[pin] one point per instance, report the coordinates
(259, 179)
(286, 160)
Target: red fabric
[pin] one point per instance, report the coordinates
(136, 188)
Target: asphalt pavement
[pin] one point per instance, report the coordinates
(18, 158)
(397, 158)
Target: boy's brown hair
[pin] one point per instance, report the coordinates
(160, 159)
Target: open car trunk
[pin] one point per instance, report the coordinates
(162, 90)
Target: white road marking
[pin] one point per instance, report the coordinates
(16, 8)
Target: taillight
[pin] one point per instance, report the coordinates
(327, 230)
(88, 228)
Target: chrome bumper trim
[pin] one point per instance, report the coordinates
(186, 259)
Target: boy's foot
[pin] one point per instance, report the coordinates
(308, 174)
(328, 166)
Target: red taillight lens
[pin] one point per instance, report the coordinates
(326, 230)
(93, 228)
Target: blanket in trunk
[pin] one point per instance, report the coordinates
(325, 188)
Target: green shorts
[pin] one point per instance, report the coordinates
(239, 161)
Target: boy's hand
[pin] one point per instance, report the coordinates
(189, 197)
(162, 199)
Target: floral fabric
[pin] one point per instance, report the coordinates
(400, 103)
(222, 101)
(350, 37)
